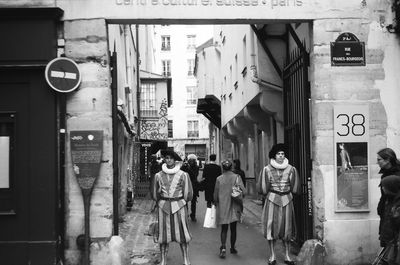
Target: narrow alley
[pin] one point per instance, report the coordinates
(204, 247)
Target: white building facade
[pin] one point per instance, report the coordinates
(188, 131)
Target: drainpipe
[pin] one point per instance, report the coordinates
(128, 69)
(138, 80)
(253, 69)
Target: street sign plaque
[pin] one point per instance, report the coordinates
(63, 75)
(347, 50)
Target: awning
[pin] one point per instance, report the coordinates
(210, 107)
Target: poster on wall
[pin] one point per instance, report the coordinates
(86, 152)
(351, 127)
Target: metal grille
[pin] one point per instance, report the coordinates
(141, 182)
(297, 135)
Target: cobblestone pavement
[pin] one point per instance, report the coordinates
(139, 246)
(134, 229)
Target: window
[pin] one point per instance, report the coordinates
(170, 128)
(7, 164)
(191, 92)
(165, 43)
(190, 67)
(193, 129)
(191, 42)
(148, 100)
(166, 67)
(244, 56)
(235, 72)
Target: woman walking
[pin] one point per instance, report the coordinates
(389, 165)
(228, 211)
(391, 222)
(172, 190)
(278, 181)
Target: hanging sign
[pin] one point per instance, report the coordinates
(63, 75)
(351, 128)
(347, 50)
(86, 151)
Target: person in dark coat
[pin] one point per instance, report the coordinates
(391, 222)
(390, 165)
(211, 172)
(192, 169)
(239, 171)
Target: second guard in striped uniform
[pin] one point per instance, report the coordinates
(278, 181)
(172, 190)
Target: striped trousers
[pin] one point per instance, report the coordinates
(278, 222)
(173, 227)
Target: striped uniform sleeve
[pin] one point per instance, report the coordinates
(156, 188)
(263, 182)
(187, 187)
(295, 182)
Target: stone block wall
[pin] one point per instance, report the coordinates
(89, 108)
(352, 237)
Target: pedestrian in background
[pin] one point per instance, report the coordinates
(239, 171)
(278, 181)
(172, 190)
(211, 172)
(391, 222)
(228, 211)
(192, 169)
(389, 165)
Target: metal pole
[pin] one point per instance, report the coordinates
(86, 205)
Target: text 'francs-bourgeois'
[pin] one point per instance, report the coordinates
(271, 3)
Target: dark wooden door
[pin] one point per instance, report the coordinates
(29, 179)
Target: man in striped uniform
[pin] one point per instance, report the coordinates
(278, 181)
(172, 190)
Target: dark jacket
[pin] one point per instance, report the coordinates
(210, 175)
(384, 206)
(386, 172)
(193, 171)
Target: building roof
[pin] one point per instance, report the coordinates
(206, 44)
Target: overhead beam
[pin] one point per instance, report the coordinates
(261, 38)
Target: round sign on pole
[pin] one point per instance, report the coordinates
(63, 75)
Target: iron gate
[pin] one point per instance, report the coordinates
(297, 135)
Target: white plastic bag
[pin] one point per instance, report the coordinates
(210, 220)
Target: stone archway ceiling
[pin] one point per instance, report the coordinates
(271, 102)
(210, 107)
(228, 135)
(255, 114)
(235, 132)
(244, 126)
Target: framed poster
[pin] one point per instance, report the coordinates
(351, 128)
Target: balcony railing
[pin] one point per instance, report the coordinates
(148, 113)
(191, 101)
(192, 134)
(166, 47)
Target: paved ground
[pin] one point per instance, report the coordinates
(204, 247)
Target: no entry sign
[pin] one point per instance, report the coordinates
(63, 75)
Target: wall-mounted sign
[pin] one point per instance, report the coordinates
(347, 50)
(86, 151)
(63, 75)
(351, 128)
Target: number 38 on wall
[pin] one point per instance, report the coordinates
(354, 124)
(351, 122)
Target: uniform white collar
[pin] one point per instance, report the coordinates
(173, 170)
(279, 166)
